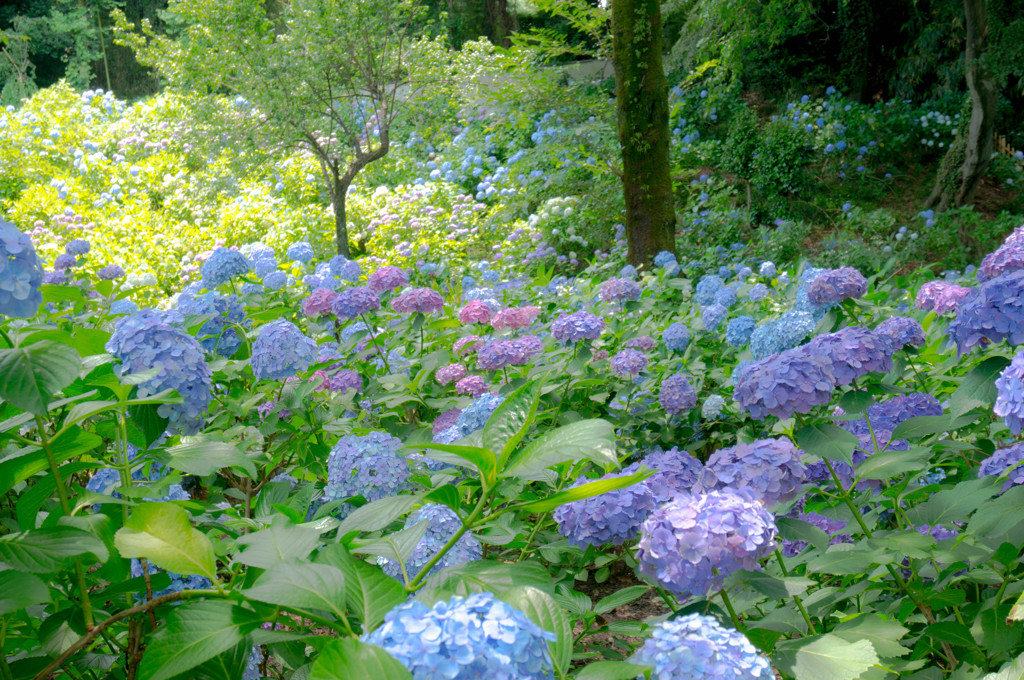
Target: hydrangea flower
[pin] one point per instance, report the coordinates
(739, 330)
(757, 292)
(369, 466)
(418, 300)
(344, 380)
(387, 278)
(767, 269)
(676, 337)
(57, 278)
(772, 469)
(692, 544)
(696, 646)
(707, 287)
(1010, 394)
(319, 302)
(152, 339)
(940, 296)
(713, 315)
(280, 351)
(712, 407)
(644, 343)
(852, 351)
(470, 419)
(445, 420)
(355, 301)
(337, 264)
(515, 317)
(778, 335)
(111, 272)
(628, 362)
(663, 258)
(65, 261)
(675, 471)
(450, 373)
(612, 517)
(991, 313)
(77, 247)
(465, 639)
(264, 267)
(629, 271)
(901, 331)
(886, 415)
(179, 582)
(123, 306)
(275, 280)
(726, 297)
(1007, 258)
(802, 301)
(496, 355)
(21, 273)
(577, 326)
(300, 251)
(1001, 462)
(466, 344)
(223, 265)
(351, 271)
(442, 523)
(794, 381)
(620, 290)
(219, 334)
(473, 385)
(475, 311)
(677, 395)
(937, 531)
(835, 285)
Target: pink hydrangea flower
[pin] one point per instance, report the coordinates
(466, 344)
(422, 300)
(475, 311)
(515, 317)
(319, 302)
(473, 385)
(387, 278)
(450, 373)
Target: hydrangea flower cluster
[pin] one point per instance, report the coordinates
(835, 285)
(21, 273)
(691, 545)
(767, 269)
(901, 331)
(1008, 257)
(466, 344)
(78, 247)
(620, 290)
(151, 339)
(676, 471)
(319, 302)
(758, 292)
(280, 351)
(577, 326)
(473, 385)
(344, 380)
(476, 311)
(772, 468)
(644, 343)
(1001, 462)
(110, 272)
(442, 523)
(706, 289)
(219, 334)
(418, 300)
(465, 638)
(515, 317)
(940, 296)
(65, 261)
(739, 330)
(612, 517)
(991, 313)
(677, 394)
(223, 265)
(676, 337)
(781, 385)
(1010, 394)
(300, 251)
(369, 466)
(663, 258)
(852, 352)
(498, 354)
(628, 362)
(450, 373)
(778, 335)
(354, 302)
(697, 646)
(470, 419)
(712, 407)
(387, 278)
(713, 315)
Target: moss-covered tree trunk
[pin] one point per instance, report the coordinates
(968, 157)
(641, 92)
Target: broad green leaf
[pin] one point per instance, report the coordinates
(302, 584)
(205, 457)
(31, 375)
(484, 575)
(194, 633)
(828, 657)
(853, 561)
(611, 670)
(883, 633)
(163, 534)
(397, 547)
(904, 543)
(346, 659)
(586, 439)
(583, 491)
(954, 505)
(793, 529)
(45, 550)
(480, 458)
(543, 611)
(889, 464)
(148, 420)
(19, 590)
(369, 592)
(70, 443)
(921, 426)
(777, 588)
(978, 388)
(619, 598)
(828, 441)
(856, 401)
(229, 664)
(379, 514)
(953, 632)
(510, 421)
(1011, 671)
(282, 541)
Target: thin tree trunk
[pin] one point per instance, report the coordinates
(501, 23)
(339, 195)
(641, 94)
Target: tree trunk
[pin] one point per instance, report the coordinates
(641, 95)
(338, 195)
(500, 22)
(969, 156)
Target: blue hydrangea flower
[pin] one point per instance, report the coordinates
(265, 266)
(691, 545)
(1002, 462)
(337, 264)
(707, 287)
(252, 666)
(677, 394)
(355, 301)
(65, 261)
(628, 272)
(280, 351)
(612, 517)
(794, 381)
(21, 273)
(663, 258)
(442, 523)
(1007, 258)
(886, 415)
(351, 271)
(577, 326)
(802, 301)
(470, 419)
(901, 331)
(110, 272)
(696, 647)
(757, 292)
(739, 330)
(852, 351)
(300, 251)
(151, 339)
(628, 362)
(778, 335)
(257, 251)
(712, 407)
(713, 315)
(123, 306)
(369, 466)
(772, 469)
(675, 471)
(724, 272)
(465, 639)
(726, 297)
(1010, 394)
(991, 313)
(77, 247)
(676, 337)
(219, 334)
(222, 266)
(275, 280)
(767, 269)
(832, 286)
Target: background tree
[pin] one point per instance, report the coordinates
(323, 75)
(641, 95)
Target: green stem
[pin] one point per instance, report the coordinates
(731, 609)
(5, 670)
(373, 339)
(467, 524)
(796, 598)
(670, 601)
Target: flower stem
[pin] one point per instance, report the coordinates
(796, 598)
(731, 609)
(373, 339)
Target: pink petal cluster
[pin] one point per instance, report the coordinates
(473, 385)
(475, 311)
(940, 296)
(319, 302)
(422, 300)
(387, 278)
(467, 344)
(450, 373)
(515, 317)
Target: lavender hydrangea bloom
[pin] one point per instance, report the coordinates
(77, 247)
(369, 466)
(712, 407)
(421, 300)
(300, 251)
(644, 343)
(57, 278)
(691, 545)
(991, 313)
(835, 285)
(677, 394)
(474, 385)
(219, 334)
(706, 289)
(151, 339)
(442, 523)
(21, 273)
(937, 531)
(1007, 258)
(772, 468)
(629, 271)
(827, 524)
(675, 471)
(265, 266)
(676, 337)
(612, 517)
(496, 355)
(739, 330)
(757, 292)
(1010, 394)
(901, 331)
(351, 271)
(344, 380)
(65, 261)
(1001, 462)
(696, 646)
(886, 415)
(628, 362)
(352, 302)
(280, 351)
(940, 296)
(620, 290)
(802, 301)
(450, 373)
(794, 381)
(123, 306)
(577, 326)
(778, 335)
(852, 351)
(111, 272)
(222, 266)
(470, 419)
(767, 269)
(387, 278)
(463, 638)
(275, 280)
(713, 315)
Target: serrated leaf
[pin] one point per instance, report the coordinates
(828, 441)
(19, 590)
(619, 598)
(206, 457)
(777, 588)
(369, 592)
(793, 529)
(510, 421)
(954, 505)
(282, 541)
(346, 659)
(889, 464)
(920, 426)
(397, 547)
(611, 670)
(42, 551)
(163, 534)
(978, 388)
(31, 375)
(378, 514)
(583, 440)
(884, 634)
(302, 584)
(830, 657)
(484, 575)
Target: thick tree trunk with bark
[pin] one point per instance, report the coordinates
(500, 22)
(968, 158)
(641, 93)
(339, 193)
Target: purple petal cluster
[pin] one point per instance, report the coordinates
(697, 646)
(355, 301)
(940, 296)
(77, 247)
(369, 466)
(476, 311)
(473, 385)
(465, 638)
(901, 331)
(835, 285)
(111, 272)
(466, 344)
(345, 380)
(772, 469)
(319, 302)
(442, 523)
(794, 381)
(677, 395)
(223, 265)
(644, 343)
(628, 362)
(577, 326)
(219, 334)
(852, 352)
(450, 373)
(387, 278)
(1008, 257)
(515, 317)
(470, 419)
(65, 261)
(281, 350)
(676, 337)
(1010, 394)
(691, 545)
(620, 290)
(612, 517)
(1002, 462)
(991, 313)
(418, 300)
(676, 472)
(21, 273)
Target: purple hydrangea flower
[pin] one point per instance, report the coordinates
(620, 290)
(280, 351)
(676, 337)
(794, 381)
(691, 545)
(577, 326)
(739, 330)
(473, 385)
(628, 362)
(476, 311)
(675, 471)
(422, 300)
(442, 523)
(337, 264)
(369, 466)
(612, 517)
(470, 419)
(937, 531)
(223, 265)
(275, 280)
(677, 395)
(65, 261)
(835, 285)
(757, 292)
(852, 352)
(991, 313)
(496, 355)
(265, 266)
(1008, 257)
(445, 420)
(110, 272)
(300, 251)
(467, 344)
(21, 273)
(77, 247)
(644, 343)
(345, 380)
(886, 415)
(901, 331)
(474, 637)
(515, 317)
(56, 278)
(387, 278)
(941, 296)
(726, 297)
(219, 334)
(450, 373)
(696, 646)
(355, 301)
(319, 302)
(772, 469)
(1010, 394)
(1001, 462)
(351, 271)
